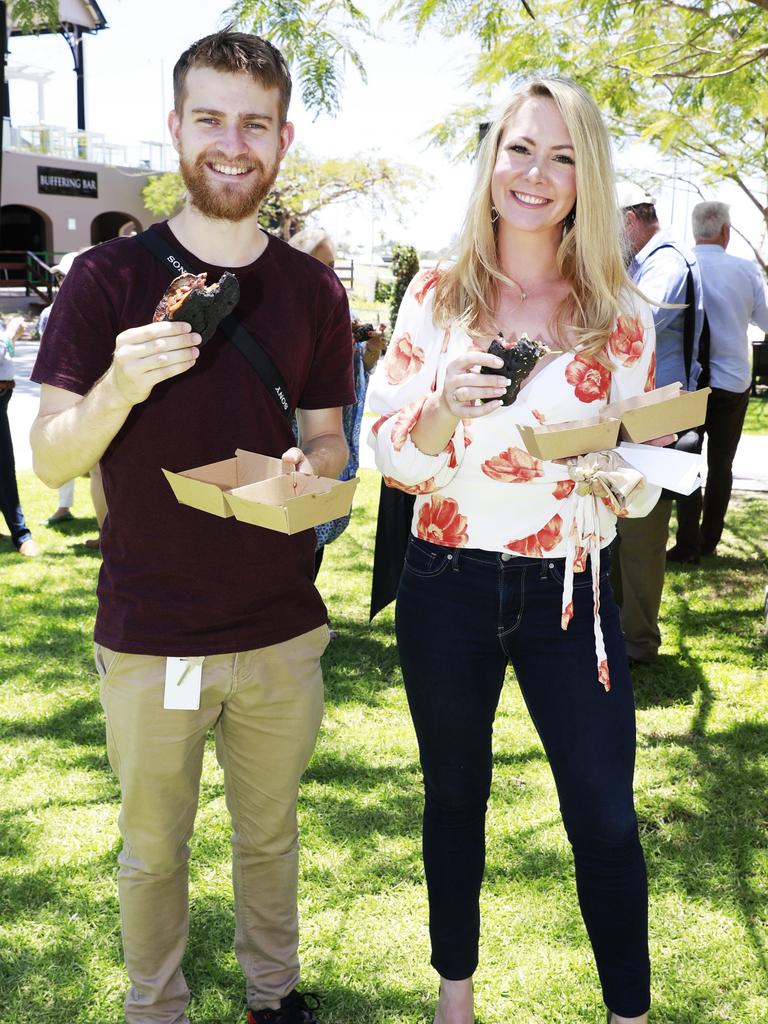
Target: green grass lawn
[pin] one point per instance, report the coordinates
(702, 785)
(756, 420)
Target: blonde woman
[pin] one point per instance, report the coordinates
(489, 556)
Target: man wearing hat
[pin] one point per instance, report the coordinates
(665, 273)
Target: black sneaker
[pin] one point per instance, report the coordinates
(295, 1008)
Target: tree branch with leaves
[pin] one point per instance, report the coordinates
(689, 77)
(306, 185)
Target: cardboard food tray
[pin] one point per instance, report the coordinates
(255, 490)
(666, 410)
(561, 440)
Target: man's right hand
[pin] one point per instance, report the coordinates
(145, 356)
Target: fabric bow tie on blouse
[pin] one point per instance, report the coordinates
(599, 476)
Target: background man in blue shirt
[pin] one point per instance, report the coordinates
(661, 269)
(734, 297)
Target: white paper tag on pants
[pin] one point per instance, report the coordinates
(183, 679)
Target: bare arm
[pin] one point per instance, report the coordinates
(71, 432)
(324, 449)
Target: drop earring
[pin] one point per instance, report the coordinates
(494, 215)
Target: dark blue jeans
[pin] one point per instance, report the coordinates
(462, 615)
(10, 506)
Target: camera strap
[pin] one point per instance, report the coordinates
(689, 325)
(240, 337)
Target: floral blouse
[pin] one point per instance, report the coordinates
(484, 490)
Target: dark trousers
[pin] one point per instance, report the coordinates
(10, 505)
(462, 615)
(700, 521)
(639, 558)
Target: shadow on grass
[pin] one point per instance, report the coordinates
(360, 664)
(79, 722)
(665, 683)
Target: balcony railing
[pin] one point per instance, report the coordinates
(50, 140)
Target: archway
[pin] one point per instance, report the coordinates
(108, 225)
(22, 229)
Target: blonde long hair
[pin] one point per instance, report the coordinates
(590, 255)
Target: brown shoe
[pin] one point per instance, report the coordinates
(61, 515)
(93, 543)
(28, 549)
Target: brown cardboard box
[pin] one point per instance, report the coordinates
(577, 437)
(255, 490)
(666, 410)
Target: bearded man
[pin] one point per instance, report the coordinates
(227, 609)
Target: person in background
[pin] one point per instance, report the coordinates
(66, 495)
(509, 558)
(667, 274)
(734, 298)
(367, 346)
(10, 504)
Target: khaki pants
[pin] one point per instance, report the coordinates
(637, 578)
(266, 707)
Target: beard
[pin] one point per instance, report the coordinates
(222, 201)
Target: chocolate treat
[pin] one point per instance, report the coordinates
(519, 360)
(188, 299)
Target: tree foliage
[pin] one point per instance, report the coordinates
(405, 266)
(314, 36)
(688, 76)
(306, 185)
(163, 194)
(29, 16)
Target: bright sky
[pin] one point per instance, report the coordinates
(411, 86)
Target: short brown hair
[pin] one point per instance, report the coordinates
(646, 212)
(237, 53)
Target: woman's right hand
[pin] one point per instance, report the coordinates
(464, 385)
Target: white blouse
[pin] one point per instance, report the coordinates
(485, 490)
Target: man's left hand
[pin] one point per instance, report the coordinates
(295, 461)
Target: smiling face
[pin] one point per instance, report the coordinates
(230, 142)
(533, 185)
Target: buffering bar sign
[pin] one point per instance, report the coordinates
(58, 181)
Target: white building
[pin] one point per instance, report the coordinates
(67, 188)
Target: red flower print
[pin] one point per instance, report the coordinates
(627, 341)
(425, 488)
(610, 502)
(566, 615)
(563, 488)
(590, 379)
(424, 282)
(403, 359)
(404, 423)
(537, 544)
(441, 522)
(378, 425)
(446, 340)
(451, 447)
(539, 415)
(580, 560)
(604, 675)
(650, 380)
(514, 466)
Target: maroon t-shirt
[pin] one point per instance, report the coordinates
(176, 581)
